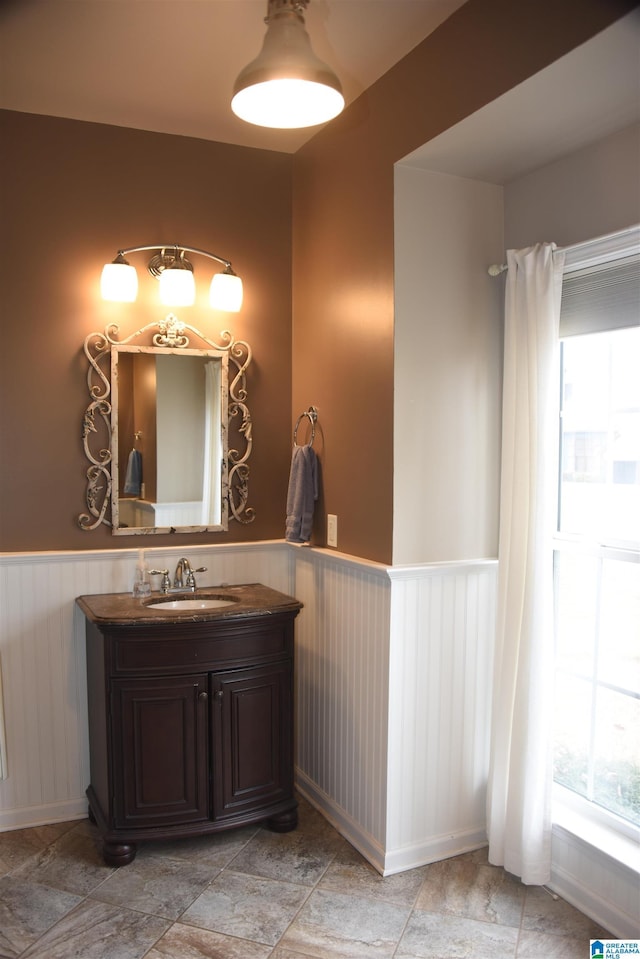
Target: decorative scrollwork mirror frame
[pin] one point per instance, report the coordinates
(171, 334)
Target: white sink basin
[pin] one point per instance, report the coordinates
(190, 604)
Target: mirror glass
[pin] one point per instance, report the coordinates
(168, 444)
(167, 431)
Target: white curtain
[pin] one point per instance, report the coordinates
(519, 791)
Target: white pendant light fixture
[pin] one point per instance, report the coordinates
(287, 86)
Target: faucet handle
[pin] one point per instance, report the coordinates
(166, 582)
(191, 579)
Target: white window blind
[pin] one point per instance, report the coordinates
(601, 285)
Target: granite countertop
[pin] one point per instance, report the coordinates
(125, 609)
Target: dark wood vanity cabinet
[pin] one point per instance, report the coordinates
(190, 727)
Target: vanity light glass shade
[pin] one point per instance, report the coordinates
(177, 286)
(119, 282)
(287, 86)
(226, 292)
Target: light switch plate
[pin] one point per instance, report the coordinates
(332, 530)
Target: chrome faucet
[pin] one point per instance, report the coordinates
(183, 568)
(179, 584)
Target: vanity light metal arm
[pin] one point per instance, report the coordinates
(174, 246)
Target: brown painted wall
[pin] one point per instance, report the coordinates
(72, 194)
(343, 237)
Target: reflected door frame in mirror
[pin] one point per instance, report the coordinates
(99, 430)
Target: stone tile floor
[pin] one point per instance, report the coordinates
(253, 894)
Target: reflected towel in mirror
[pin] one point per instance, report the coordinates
(302, 493)
(133, 478)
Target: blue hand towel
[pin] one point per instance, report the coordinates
(303, 491)
(133, 478)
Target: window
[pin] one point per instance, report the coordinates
(597, 556)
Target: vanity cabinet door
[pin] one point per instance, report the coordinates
(160, 751)
(251, 719)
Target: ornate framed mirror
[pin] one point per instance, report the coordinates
(167, 431)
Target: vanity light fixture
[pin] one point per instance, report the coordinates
(287, 86)
(175, 275)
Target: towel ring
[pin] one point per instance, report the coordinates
(312, 415)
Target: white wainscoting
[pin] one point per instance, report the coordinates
(178, 514)
(394, 674)
(3, 741)
(342, 665)
(42, 649)
(440, 677)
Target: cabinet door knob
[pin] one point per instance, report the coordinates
(203, 696)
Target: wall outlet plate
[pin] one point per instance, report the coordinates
(332, 530)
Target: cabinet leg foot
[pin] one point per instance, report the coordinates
(91, 816)
(118, 853)
(285, 822)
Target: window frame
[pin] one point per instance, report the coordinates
(595, 823)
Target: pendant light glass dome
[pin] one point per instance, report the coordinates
(287, 86)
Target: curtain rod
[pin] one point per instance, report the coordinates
(497, 268)
(599, 250)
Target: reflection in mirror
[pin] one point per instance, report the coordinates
(157, 432)
(168, 467)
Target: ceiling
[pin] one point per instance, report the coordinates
(169, 65)
(583, 97)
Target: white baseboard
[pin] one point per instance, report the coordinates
(433, 850)
(411, 857)
(340, 820)
(45, 815)
(603, 912)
